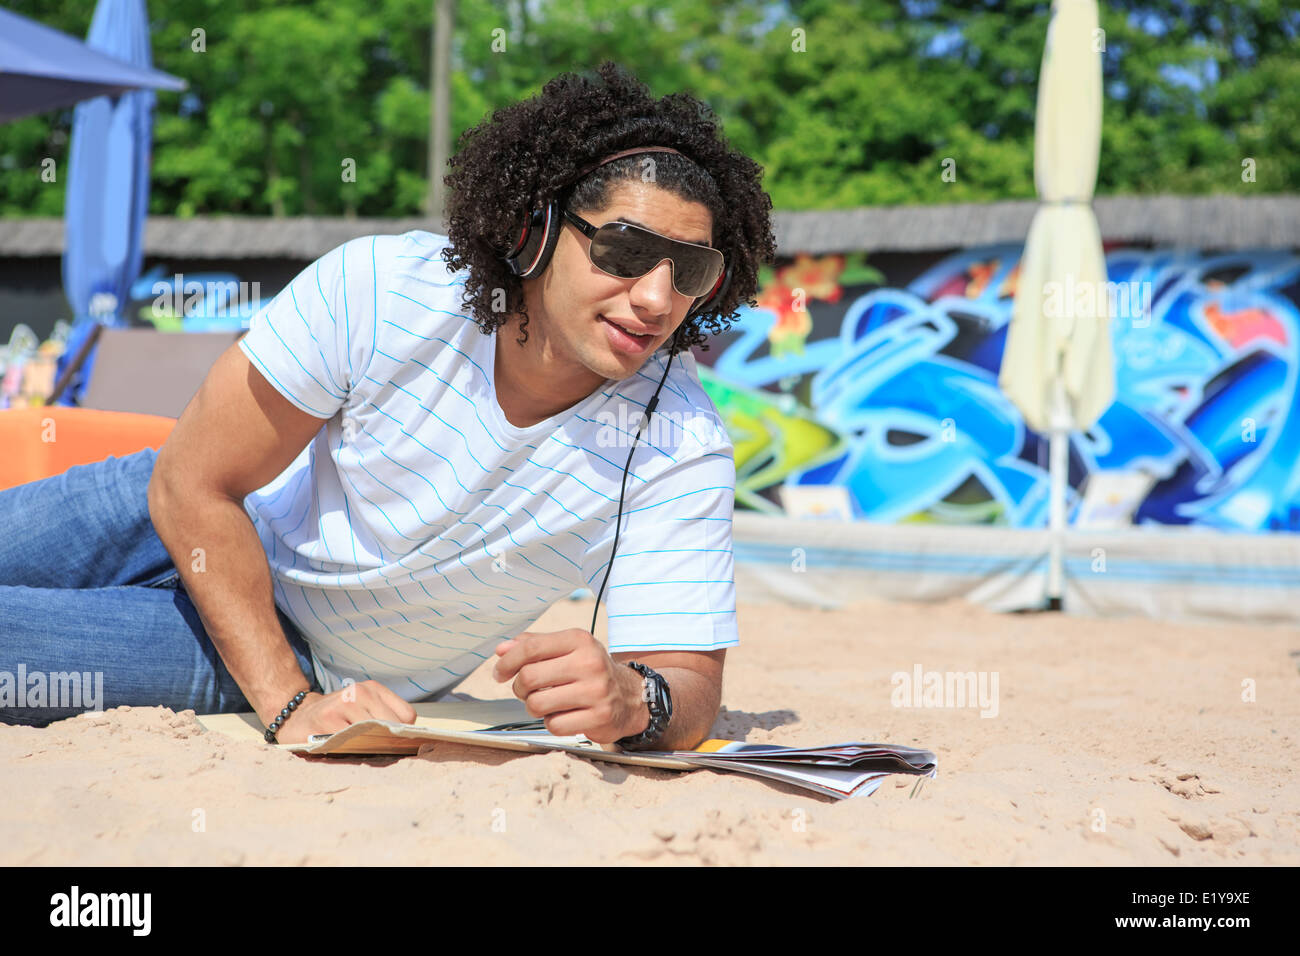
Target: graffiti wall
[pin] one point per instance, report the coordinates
(841, 379)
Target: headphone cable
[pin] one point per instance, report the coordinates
(649, 410)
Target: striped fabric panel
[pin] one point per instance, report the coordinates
(420, 527)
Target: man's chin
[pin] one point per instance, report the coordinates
(625, 366)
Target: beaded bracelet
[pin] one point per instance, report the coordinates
(269, 736)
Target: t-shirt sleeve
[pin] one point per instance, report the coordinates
(672, 586)
(315, 339)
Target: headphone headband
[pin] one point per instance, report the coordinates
(628, 152)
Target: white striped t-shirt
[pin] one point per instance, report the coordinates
(419, 527)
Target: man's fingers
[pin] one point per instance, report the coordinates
(569, 722)
(385, 704)
(534, 647)
(549, 673)
(369, 700)
(400, 708)
(557, 700)
(356, 712)
(352, 711)
(330, 721)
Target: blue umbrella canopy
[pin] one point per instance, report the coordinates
(108, 183)
(43, 69)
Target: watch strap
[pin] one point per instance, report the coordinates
(660, 704)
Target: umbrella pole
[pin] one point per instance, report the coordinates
(74, 366)
(1058, 470)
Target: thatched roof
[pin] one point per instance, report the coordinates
(1207, 222)
(1223, 222)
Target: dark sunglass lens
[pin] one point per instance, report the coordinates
(628, 252)
(623, 253)
(694, 273)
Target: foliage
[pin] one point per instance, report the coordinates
(862, 108)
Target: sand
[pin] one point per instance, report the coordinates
(1115, 742)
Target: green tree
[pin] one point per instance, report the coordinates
(844, 102)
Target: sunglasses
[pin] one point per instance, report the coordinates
(626, 251)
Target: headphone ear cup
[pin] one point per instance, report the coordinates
(536, 244)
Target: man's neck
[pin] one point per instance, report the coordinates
(529, 385)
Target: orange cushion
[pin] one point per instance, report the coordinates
(43, 440)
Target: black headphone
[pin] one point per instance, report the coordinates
(531, 255)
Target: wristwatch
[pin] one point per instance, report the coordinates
(660, 703)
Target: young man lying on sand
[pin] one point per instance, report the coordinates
(414, 452)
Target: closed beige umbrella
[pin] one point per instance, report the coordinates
(1058, 366)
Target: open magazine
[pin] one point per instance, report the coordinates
(839, 770)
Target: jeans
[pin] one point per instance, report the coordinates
(93, 613)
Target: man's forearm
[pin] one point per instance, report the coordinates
(225, 572)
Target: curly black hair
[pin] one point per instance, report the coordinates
(533, 151)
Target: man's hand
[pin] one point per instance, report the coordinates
(329, 713)
(568, 678)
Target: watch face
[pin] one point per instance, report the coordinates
(662, 698)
